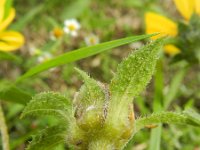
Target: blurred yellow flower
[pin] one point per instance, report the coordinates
(157, 23)
(9, 40)
(56, 33)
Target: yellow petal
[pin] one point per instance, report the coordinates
(2, 3)
(171, 49)
(8, 20)
(185, 7)
(197, 6)
(158, 23)
(10, 40)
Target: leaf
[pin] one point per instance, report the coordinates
(10, 92)
(186, 118)
(80, 54)
(192, 115)
(72, 12)
(9, 56)
(174, 87)
(155, 136)
(92, 92)
(22, 22)
(49, 103)
(48, 139)
(90, 103)
(7, 6)
(134, 73)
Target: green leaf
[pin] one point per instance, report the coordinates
(135, 72)
(22, 22)
(10, 92)
(80, 54)
(192, 115)
(155, 137)
(49, 103)
(174, 87)
(8, 6)
(16, 142)
(90, 103)
(49, 138)
(186, 118)
(92, 91)
(72, 12)
(9, 56)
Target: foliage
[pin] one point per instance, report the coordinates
(103, 116)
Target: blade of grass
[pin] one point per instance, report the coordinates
(9, 56)
(80, 54)
(72, 12)
(8, 5)
(22, 22)
(174, 87)
(10, 92)
(157, 107)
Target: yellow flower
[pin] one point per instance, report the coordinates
(158, 23)
(9, 40)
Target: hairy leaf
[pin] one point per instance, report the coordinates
(91, 102)
(48, 139)
(135, 72)
(49, 103)
(92, 91)
(167, 117)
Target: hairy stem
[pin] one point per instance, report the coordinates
(4, 132)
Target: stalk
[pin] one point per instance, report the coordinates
(4, 130)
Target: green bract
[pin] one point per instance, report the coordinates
(188, 40)
(101, 116)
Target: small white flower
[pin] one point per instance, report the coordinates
(34, 51)
(71, 27)
(91, 40)
(44, 57)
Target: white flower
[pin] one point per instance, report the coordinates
(34, 51)
(71, 27)
(44, 57)
(56, 33)
(91, 40)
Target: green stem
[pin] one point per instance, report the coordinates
(4, 132)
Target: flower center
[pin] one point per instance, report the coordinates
(92, 41)
(72, 27)
(57, 32)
